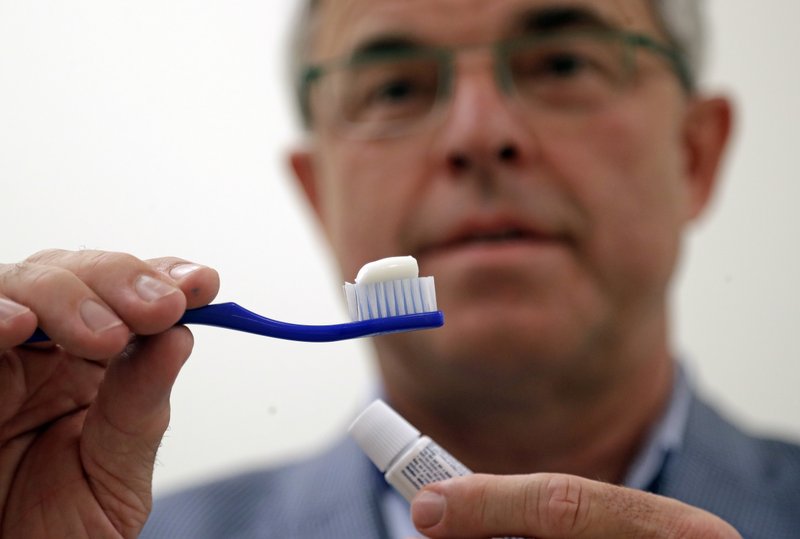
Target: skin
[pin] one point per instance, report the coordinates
(547, 343)
(554, 506)
(81, 418)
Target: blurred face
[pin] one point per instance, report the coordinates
(551, 233)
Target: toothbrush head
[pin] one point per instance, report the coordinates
(390, 287)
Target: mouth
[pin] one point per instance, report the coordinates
(493, 237)
(505, 235)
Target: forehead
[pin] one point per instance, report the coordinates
(343, 24)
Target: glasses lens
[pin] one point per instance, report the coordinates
(568, 72)
(377, 96)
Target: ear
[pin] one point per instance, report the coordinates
(302, 163)
(707, 132)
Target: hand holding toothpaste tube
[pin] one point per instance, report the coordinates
(448, 501)
(556, 506)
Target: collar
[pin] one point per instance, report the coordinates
(665, 436)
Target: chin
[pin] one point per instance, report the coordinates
(507, 343)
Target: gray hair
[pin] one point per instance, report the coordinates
(684, 23)
(681, 20)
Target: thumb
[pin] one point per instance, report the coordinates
(555, 506)
(125, 424)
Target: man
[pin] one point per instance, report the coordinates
(541, 158)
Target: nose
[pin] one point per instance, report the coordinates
(481, 131)
(462, 160)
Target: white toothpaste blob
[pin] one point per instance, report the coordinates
(393, 268)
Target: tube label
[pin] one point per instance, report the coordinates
(424, 465)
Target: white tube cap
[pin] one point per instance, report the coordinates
(382, 433)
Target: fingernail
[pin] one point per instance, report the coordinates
(151, 289)
(97, 317)
(427, 509)
(183, 270)
(10, 309)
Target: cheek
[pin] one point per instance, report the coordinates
(367, 189)
(623, 169)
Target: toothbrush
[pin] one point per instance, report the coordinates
(387, 297)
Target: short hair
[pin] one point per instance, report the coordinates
(681, 20)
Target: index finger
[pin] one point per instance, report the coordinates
(17, 322)
(200, 284)
(556, 506)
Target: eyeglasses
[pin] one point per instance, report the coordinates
(391, 92)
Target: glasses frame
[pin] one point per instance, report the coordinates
(445, 57)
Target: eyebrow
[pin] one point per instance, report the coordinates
(385, 44)
(558, 18)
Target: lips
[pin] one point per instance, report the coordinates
(493, 232)
(500, 235)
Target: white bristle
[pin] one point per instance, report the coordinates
(366, 301)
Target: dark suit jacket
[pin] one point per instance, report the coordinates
(752, 483)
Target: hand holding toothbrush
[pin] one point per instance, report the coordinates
(80, 421)
(82, 415)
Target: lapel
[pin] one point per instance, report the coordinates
(735, 476)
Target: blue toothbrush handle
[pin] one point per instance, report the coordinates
(236, 317)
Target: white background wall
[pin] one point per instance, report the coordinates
(159, 127)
